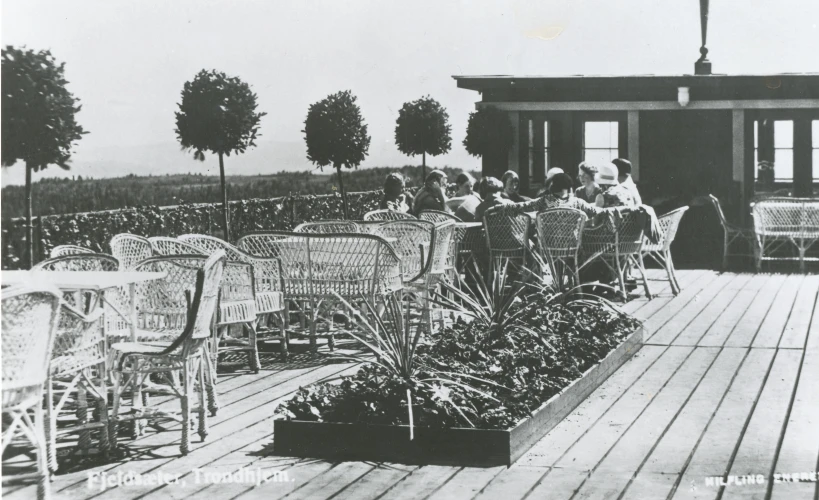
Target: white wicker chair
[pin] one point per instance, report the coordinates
(617, 241)
(77, 371)
(560, 234)
(660, 252)
(734, 234)
(185, 359)
(327, 227)
(62, 250)
(507, 237)
(30, 318)
(130, 250)
(779, 222)
(315, 267)
(266, 281)
(387, 215)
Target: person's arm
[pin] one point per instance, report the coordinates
(519, 208)
(599, 201)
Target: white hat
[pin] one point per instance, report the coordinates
(606, 175)
(553, 172)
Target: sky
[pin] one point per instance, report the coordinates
(128, 60)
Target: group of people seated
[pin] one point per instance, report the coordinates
(604, 186)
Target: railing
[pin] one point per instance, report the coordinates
(93, 230)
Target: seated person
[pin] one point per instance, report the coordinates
(589, 189)
(549, 175)
(394, 196)
(560, 188)
(511, 187)
(433, 195)
(464, 182)
(624, 176)
(493, 189)
(614, 194)
(467, 209)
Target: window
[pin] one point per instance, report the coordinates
(538, 151)
(600, 142)
(783, 151)
(814, 126)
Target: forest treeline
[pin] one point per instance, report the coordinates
(64, 196)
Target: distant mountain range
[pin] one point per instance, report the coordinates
(267, 158)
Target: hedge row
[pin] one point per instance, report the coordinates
(94, 229)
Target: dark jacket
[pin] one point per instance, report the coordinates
(425, 200)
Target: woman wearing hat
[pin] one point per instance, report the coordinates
(614, 194)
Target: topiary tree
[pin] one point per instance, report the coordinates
(39, 118)
(336, 135)
(422, 128)
(217, 114)
(489, 134)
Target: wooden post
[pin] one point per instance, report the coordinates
(29, 232)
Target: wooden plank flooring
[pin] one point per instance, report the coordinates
(726, 385)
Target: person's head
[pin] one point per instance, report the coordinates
(586, 173)
(511, 182)
(464, 181)
(623, 168)
(436, 178)
(553, 172)
(393, 185)
(606, 176)
(560, 185)
(492, 187)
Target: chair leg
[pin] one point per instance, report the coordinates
(641, 266)
(102, 409)
(253, 353)
(672, 274)
(285, 341)
(210, 387)
(621, 269)
(84, 441)
(43, 486)
(113, 426)
(185, 400)
(203, 417)
(50, 428)
(725, 251)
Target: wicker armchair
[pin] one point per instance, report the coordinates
(130, 249)
(560, 234)
(30, 318)
(184, 360)
(780, 222)
(618, 242)
(387, 215)
(438, 216)
(327, 227)
(316, 267)
(266, 280)
(237, 302)
(79, 262)
(733, 234)
(660, 252)
(77, 370)
(507, 237)
(62, 250)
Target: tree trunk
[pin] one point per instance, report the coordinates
(225, 207)
(423, 167)
(343, 193)
(29, 227)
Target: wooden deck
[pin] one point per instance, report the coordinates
(726, 385)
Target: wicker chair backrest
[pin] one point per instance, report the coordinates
(506, 232)
(130, 249)
(321, 264)
(327, 227)
(79, 262)
(786, 217)
(443, 250)
(623, 234)
(438, 216)
(61, 250)
(560, 231)
(718, 207)
(30, 318)
(414, 244)
(266, 271)
(669, 223)
(387, 215)
(79, 343)
(162, 245)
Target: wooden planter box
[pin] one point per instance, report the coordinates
(448, 446)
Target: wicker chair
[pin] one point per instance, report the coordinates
(507, 237)
(733, 234)
(618, 242)
(660, 252)
(438, 216)
(316, 267)
(327, 227)
(61, 250)
(77, 370)
(79, 262)
(237, 301)
(560, 234)
(30, 318)
(266, 281)
(780, 222)
(130, 249)
(387, 215)
(185, 359)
